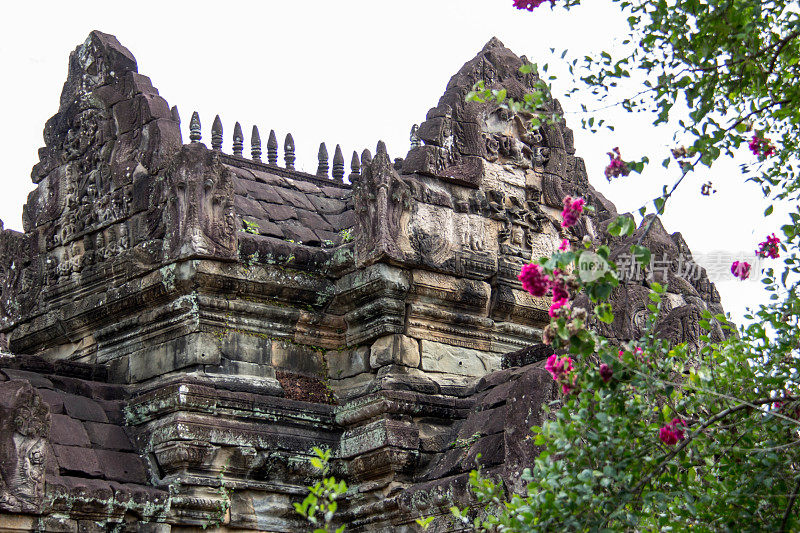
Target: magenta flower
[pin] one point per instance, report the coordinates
(605, 373)
(558, 366)
(556, 305)
(572, 211)
(741, 269)
(616, 167)
(769, 248)
(534, 279)
(761, 146)
(530, 5)
(671, 433)
(564, 245)
(559, 286)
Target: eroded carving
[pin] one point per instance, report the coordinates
(199, 216)
(24, 427)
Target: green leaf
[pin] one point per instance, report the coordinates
(622, 225)
(604, 313)
(641, 254)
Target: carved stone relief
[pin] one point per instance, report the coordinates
(24, 428)
(199, 215)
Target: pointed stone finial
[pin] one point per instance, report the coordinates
(288, 151)
(322, 156)
(238, 140)
(272, 148)
(381, 149)
(175, 115)
(415, 141)
(366, 157)
(355, 167)
(255, 144)
(216, 134)
(338, 164)
(194, 128)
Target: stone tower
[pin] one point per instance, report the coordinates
(184, 325)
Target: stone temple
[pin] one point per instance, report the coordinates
(180, 326)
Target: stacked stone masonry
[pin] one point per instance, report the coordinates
(181, 326)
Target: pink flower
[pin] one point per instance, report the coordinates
(670, 434)
(761, 146)
(741, 269)
(559, 286)
(605, 373)
(564, 245)
(572, 211)
(534, 280)
(667, 436)
(530, 5)
(617, 167)
(556, 305)
(769, 248)
(558, 366)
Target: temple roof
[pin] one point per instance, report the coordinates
(291, 205)
(90, 450)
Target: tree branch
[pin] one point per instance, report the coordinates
(789, 505)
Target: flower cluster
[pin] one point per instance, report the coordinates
(572, 211)
(741, 269)
(537, 282)
(534, 279)
(769, 248)
(564, 246)
(530, 5)
(560, 368)
(670, 434)
(761, 146)
(617, 167)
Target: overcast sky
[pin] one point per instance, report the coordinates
(352, 72)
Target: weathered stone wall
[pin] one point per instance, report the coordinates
(206, 318)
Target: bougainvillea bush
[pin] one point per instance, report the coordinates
(652, 436)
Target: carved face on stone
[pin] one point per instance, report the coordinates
(24, 427)
(199, 216)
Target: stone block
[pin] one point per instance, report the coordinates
(121, 466)
(35, 379)
(84, 408)
(173, 355)
(248, 348)
(108, 436)
(54, 399)
(76, 460)
(296, 358)
(347, 363)
(68, 431)
(438, 357)
(394, 349)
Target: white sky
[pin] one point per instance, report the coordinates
(351, 72)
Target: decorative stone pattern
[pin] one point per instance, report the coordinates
(187, 323)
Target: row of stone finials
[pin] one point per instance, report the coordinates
(288, 148)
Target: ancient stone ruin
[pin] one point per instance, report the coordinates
(180, 326)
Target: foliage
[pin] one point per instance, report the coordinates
(250, 226)
(346, 235)
(319, 507)
(653, 436)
